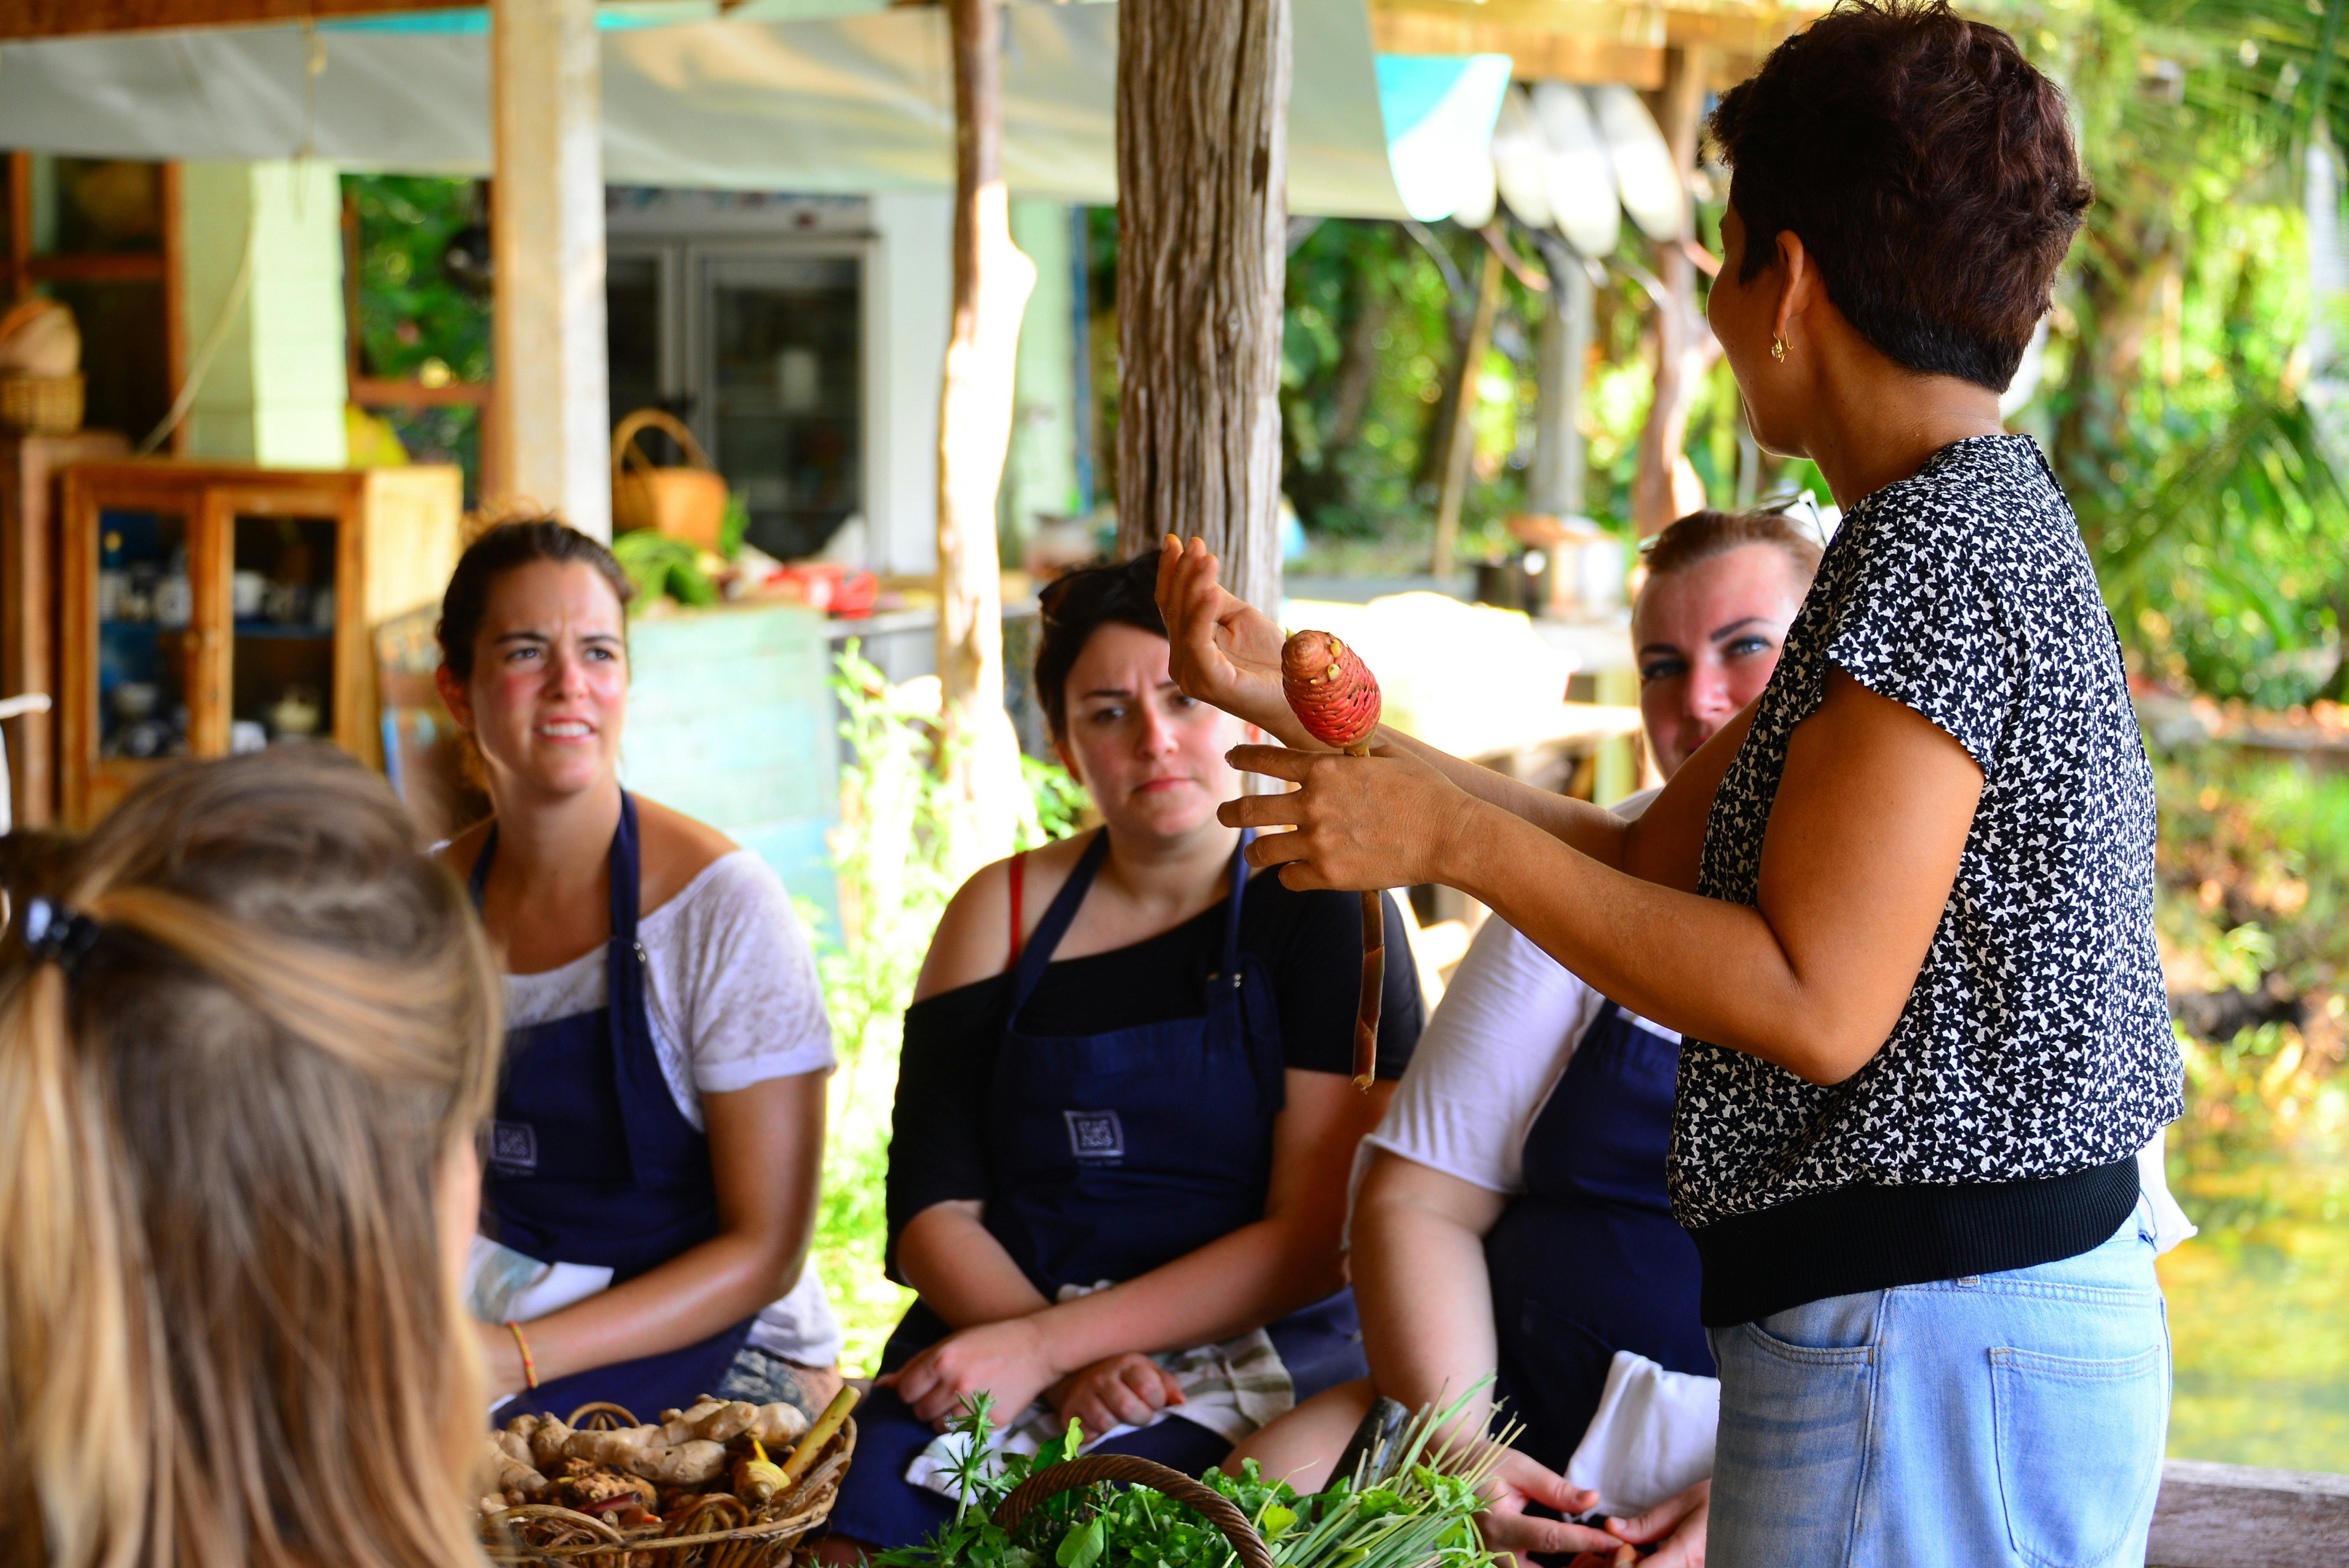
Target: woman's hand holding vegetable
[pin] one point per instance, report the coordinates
(1519, 1482)
(1224, 651)
(1009, 1359)
(1388, 820)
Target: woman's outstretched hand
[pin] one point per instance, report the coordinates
(1009, 1359)
(1225, 651)
(1384, 820)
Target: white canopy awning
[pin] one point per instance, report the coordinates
(829, 104)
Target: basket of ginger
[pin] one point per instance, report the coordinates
(725, 1484)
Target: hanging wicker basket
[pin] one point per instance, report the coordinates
(1071, 1474)
(688, 503)
(719, 1530)
(41, 405)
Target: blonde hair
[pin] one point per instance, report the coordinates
(225, 1112)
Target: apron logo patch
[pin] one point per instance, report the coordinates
(1095, 1134)
(514, 1146)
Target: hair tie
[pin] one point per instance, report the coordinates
(58, 934)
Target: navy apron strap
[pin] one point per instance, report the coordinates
(627, 866)
(1230, 970)
(477, 883)
(1055, 924)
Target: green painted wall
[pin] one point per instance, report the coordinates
(730, 721)
(273, 392)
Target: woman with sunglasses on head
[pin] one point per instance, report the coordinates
(1124, 1114)
(1900, 908)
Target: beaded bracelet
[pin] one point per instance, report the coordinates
(529, 1366)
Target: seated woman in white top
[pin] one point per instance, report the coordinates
(1510, 1217)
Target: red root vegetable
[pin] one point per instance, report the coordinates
(1336, 698)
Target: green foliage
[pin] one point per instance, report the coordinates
(659, 564)
(889, 858)
(1417, 1512)
(2215, 510)
(1060, 801)
(413, 320)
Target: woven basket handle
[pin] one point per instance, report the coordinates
(1071, 1474)
(623, 439)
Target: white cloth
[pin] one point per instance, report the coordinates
(1482, 1074)
(1230, 1387)
(1651, 1438)
(734, 999)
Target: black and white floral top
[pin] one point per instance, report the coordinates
(2034, 1052)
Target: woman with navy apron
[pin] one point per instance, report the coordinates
(1512, 1218)
(650, 1172)
(1124, 1118)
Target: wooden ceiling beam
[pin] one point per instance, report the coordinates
(23, 19)
(1540, 29)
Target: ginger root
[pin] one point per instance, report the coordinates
(710, 1420)
(779, 1424)
(757, 1478)
(513, 1473)
(646, 1451)
(548, 1438)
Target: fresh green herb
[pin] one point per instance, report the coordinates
(658, 564)
(1418, 1513)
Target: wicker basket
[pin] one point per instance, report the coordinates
(41, 405)
(721, 1531)
(1071, 1474)
(688, 503)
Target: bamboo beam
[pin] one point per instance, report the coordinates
(1461, 445)
(992, 280)
(66, 18)
(550, 406)
(1683, 344)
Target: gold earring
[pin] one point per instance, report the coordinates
(1778, 349)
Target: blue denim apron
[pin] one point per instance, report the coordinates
(592, 1162)
(1111, 1155)
(1588, 1260)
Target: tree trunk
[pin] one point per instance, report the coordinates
(1556, 486)
(980, 752)
(1202, 255)
(1460, 439)
(1681, 336)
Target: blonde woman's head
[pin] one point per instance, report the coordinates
(241, 1065)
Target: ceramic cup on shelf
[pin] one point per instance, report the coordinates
(296, 714)
(322, 609)
(245, 590)
(174, 604)
(246, 734)
(134, 700)
(113, 587)
(286, 603)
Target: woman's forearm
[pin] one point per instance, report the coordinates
(1240, 1280)
(1426, 1301)
(962, 1273)
(1704, 966)
(683, 1301)
(1596, 832)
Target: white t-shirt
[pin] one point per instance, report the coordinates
(1483, 1070)
(733, 997)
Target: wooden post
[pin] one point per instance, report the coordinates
(1681, 336)
(1462, 436)
(992, 283)
(552, 417)
(1555, 488)
(1201, 256)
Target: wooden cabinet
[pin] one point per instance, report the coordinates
(205, 609)
(28, 602)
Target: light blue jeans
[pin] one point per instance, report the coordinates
(2013, 1417)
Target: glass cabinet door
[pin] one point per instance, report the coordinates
(145, 640)
(784, 369)
(283, 590)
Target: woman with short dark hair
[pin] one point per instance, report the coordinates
(1900, 908)
(1124, 1117)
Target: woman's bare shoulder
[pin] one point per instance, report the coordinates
(675, 848)
(973, 941)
